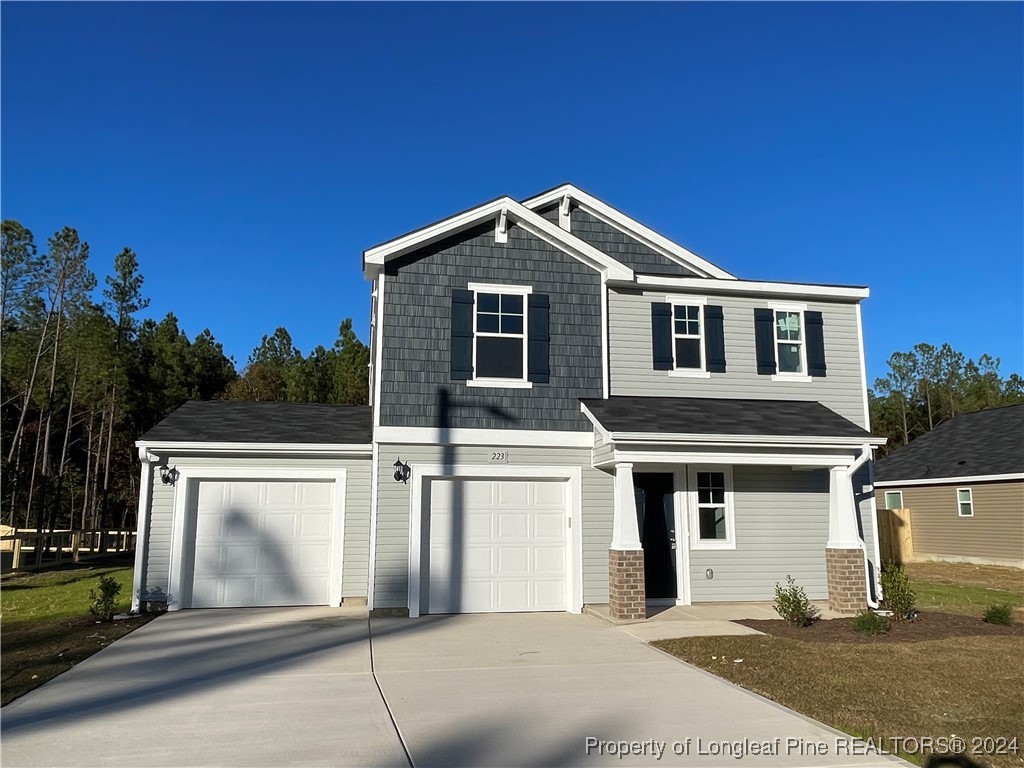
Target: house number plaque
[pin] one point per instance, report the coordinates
(499, 456)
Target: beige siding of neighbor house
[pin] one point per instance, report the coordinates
(995, 533)
(355, 558)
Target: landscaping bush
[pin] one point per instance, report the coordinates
(898, 596)
(1000, 613)
(791, 604)
(104, 603)
(870, 623)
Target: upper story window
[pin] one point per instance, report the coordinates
(789, 341)
(500, 336)
(894, 499)
(687, 337)
(964, 502)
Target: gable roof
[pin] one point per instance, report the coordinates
(643, 234)
(499, 209)
(678, 417)
(976, 444)
(230, 422)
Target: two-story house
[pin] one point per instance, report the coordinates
(567, 408)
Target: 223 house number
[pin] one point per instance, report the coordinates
(499, 457)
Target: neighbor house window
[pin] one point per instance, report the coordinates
(789, 341)
(964, 502)
(711, 508)
(687, 337)
(499, 334)
(894, 499)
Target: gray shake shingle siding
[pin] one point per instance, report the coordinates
(617, 243)
(416, 336)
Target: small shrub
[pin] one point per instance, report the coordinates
(1000, 613)
(104, 603)
(898, 596)
(870, 623)
(791, 604)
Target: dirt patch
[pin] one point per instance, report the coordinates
(929, 625)
(34, 652)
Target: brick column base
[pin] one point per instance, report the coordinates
(627, 598)
(846, 585)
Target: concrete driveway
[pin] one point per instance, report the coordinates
(319, 686)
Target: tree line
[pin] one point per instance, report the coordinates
(83, 376)
(929, 385)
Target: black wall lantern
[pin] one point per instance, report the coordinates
(168, 475)
(402, 472)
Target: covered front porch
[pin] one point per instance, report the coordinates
(718, 500)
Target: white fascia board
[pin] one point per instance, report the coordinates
(755, 287)
(646, 235)
(605, 434)
(815, 441)
(327, 449)
(724, 457)
(488, 437)
(530, 221)
(950, 480)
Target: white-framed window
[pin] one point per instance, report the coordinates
(712, 515)
(499, 335)
(790, 344)
(894, 500)
(964, 502)
(688, 356)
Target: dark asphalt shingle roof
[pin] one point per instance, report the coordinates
(224, 421)
(979, 443)
(721, 416)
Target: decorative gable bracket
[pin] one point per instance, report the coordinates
(501, 227)
(563, 212)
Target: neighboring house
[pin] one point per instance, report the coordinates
(963, 483)
(567, 409)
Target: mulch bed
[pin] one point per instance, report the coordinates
(929, 625)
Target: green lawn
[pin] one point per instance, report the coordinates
(47, 627)
(965, 588)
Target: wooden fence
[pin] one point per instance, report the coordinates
(895, 535)
(24, 550)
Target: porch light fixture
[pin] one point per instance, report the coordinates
(168, 475)
(402, 471)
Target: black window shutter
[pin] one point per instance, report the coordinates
(462, 334)
(764, 341)
(815, 335)
(661, 336)
(714, 339)
(539, 341)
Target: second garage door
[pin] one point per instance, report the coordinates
(497, 545)
(263, 543)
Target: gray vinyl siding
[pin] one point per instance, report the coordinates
(391, 579)
(619, 245)
(417, 321)
(781, 518)
(355, 562)
(632, 371)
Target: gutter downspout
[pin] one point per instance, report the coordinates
(142, 525)
(864, 457)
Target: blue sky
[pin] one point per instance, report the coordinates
(249, 153)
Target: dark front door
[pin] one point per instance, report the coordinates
(654, 509)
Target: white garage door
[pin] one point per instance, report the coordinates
(497, 545)
(263, 543)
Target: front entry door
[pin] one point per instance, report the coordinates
(656, 518)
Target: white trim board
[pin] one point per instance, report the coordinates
(725, 456)
(616, 218)
(950, 480)
(702, 285)
(423, 473)
(484, 437)
(374, 258)
(193, 446)
(179, 583)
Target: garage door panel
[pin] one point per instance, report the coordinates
(257, 543)
(511, 552)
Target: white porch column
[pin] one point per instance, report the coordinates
(842, 511)
(142, 526)
(625, 528)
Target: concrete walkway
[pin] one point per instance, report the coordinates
(312, 686)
